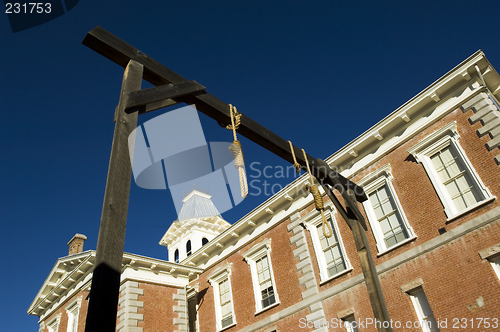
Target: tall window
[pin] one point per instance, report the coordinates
(193, 313)
(330, 252)
(264, 286)
(388, 217)
(350, 324)
(72, 310)
(385, 213)
(450, 171)
(176, 256)
(188, 248)
(53, 325)
(224, 310)
(424, 311)
(265, 282)
(495, 263)
(455, 178)
(331, 248)
(225, 303)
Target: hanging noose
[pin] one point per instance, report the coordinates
(295, 163)
(235, 148)
(318, 200)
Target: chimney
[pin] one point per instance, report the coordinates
(76, 244)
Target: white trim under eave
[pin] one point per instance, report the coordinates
(427, 115)
(423, 100)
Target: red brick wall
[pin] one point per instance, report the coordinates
(158, 303)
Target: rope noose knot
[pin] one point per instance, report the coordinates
(235, 148)
(318, 200)
(239, 163)
(237, 119)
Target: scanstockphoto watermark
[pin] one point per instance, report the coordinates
(365, 323)
(263, 179)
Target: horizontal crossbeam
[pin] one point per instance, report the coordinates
(118, 51)
(138, 100)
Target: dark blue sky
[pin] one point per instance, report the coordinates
(317, 73)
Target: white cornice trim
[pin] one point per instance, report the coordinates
(223, 270)
(214, 225)
(462, 75)
(375, 174)
(257, 248)
(449, 130)
(52, 294)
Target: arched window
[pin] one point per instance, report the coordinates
(204, 241)
(176, 256)
(188, 247)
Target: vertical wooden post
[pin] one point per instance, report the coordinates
(372, 281)
(103, 302)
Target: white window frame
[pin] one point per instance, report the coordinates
(312, 225)
(217, 277)
(348, 323)
(440, 139)
(251, 257)
(374, 181)
(53, 325)
(495, 264)
(420, 312)
(192, 294)
(73, 311)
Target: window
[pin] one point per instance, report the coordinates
(451, 173)
(385, 214)
(72, 310)
(53, 325)
(265, 282)
(495, 263)
(193, 312)
(224, 311)
(176, 256)
(204, 241)
(330, 251)
(350, 324)
(188, 248)
(424, 311)
(258, 257)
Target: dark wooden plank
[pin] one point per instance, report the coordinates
(119, 51)
(352, 204)
(138, 100)
(337, 204)
(377, 300)
(104, 293)
(157, 105)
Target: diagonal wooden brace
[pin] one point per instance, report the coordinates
(139, 100)
(349, 202)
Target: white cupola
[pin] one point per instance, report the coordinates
(199, 222)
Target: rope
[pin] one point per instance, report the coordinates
(235, 117)
(235, 148)
(295, 163)
(318, 201)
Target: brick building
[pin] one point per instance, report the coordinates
(431, 172)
